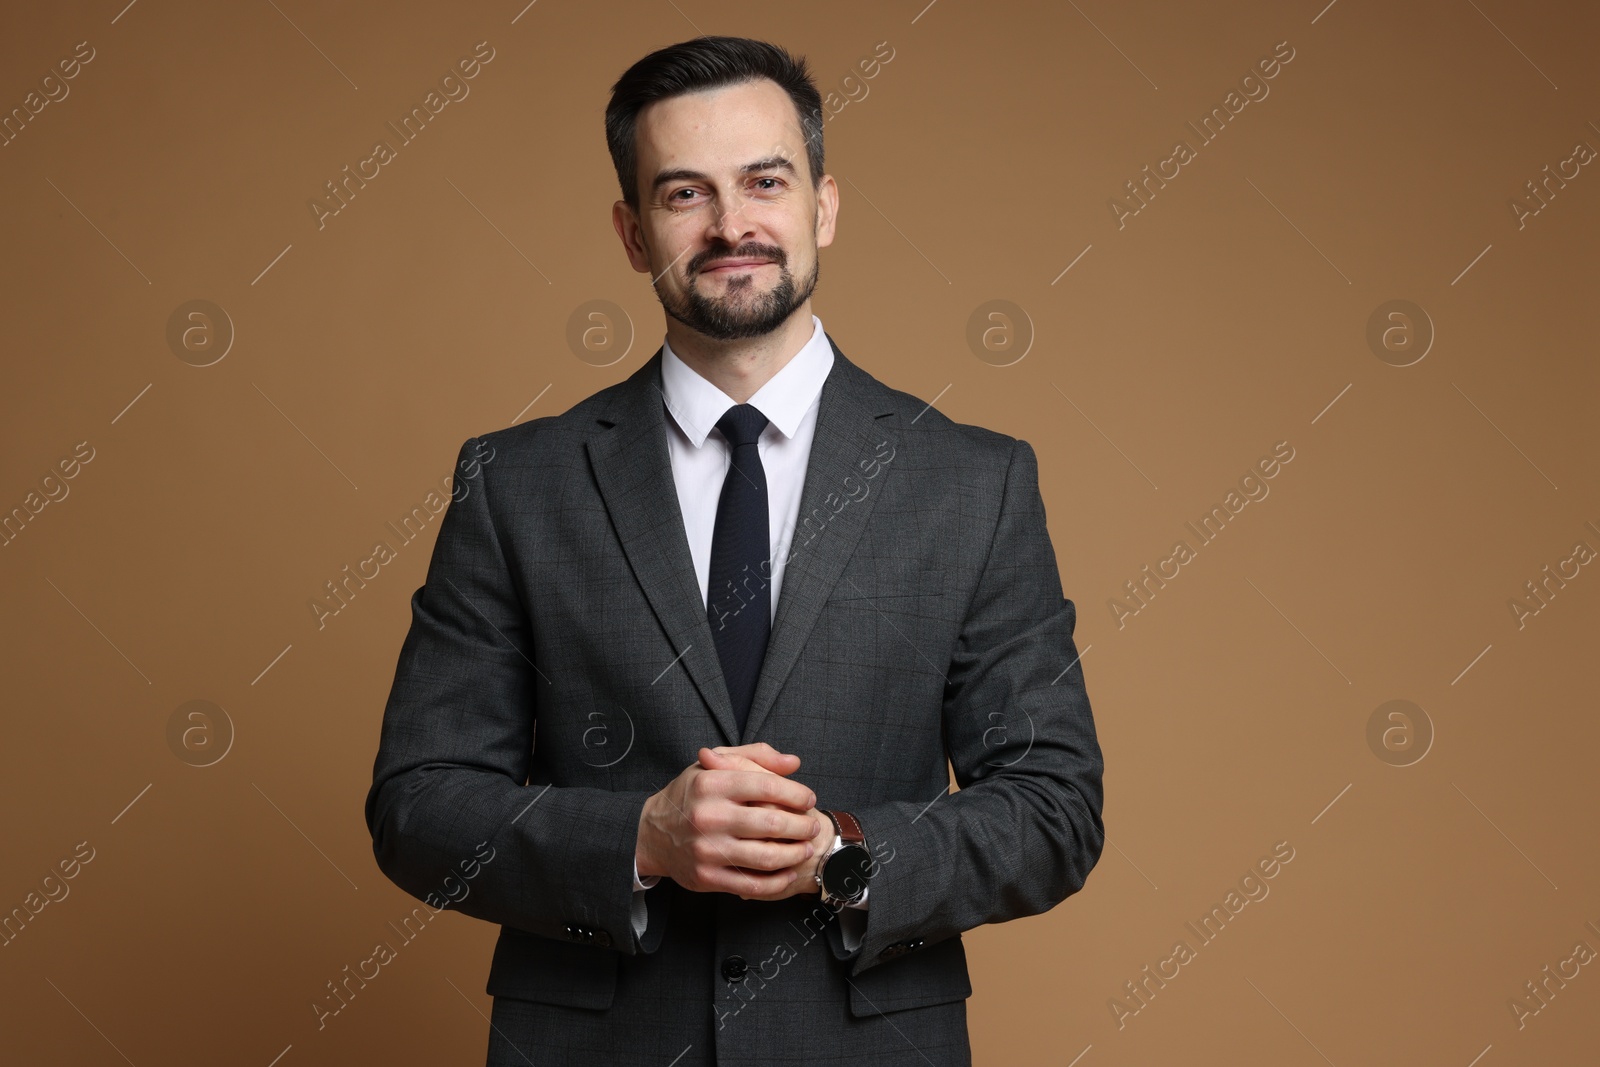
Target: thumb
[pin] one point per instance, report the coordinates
(713, 759)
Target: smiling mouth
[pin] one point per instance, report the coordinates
(748, 264)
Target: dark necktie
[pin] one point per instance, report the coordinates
(739, 591)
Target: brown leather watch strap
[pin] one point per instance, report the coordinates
(849, 828)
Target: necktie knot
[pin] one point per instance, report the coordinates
(742, 425)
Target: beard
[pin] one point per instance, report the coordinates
(740, 311)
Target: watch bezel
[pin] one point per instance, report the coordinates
(836, 876)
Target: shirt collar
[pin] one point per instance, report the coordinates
(696, 404)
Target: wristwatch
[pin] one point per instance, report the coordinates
(846, 868)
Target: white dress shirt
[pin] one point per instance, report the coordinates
(790, 401)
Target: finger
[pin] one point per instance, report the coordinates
(763, 755)
(758, 822)
(736, 763)
(762, 856)
(783, 892)
(766, 755)
(748, 786)
(749, 884)
(714, 760)
(719, 819)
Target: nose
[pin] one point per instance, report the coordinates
(731, 225)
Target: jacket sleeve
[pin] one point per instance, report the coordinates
(1024, 829)
(453, 817)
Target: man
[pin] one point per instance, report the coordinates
(751, 599)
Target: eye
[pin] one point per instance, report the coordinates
(773, 186)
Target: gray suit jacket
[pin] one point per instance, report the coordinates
(920, 618)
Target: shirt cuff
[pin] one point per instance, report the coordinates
(639, 885)
(639, 913)
(852, 926)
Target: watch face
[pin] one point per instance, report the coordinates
(846, 873)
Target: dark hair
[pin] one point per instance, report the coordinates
(706, 63)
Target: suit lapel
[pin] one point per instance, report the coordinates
(634, 472)
(849, 437)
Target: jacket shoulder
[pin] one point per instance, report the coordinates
(527, 440)
(914, 415)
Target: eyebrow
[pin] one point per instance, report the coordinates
(684, 174)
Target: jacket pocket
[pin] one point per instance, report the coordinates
(936, 974)
(531, 967)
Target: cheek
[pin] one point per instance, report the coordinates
(669, 258)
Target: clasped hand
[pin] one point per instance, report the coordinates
(735, 823)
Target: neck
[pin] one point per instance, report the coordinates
(741, 366)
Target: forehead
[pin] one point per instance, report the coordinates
(718, 130)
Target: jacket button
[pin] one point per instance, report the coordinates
(734, 968)
(587, 935)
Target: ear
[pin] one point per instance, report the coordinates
(626, 222)
(827, 210)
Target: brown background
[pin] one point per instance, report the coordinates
(976, 165)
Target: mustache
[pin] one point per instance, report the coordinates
(708, 260)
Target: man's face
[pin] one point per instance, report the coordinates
(729, 223)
